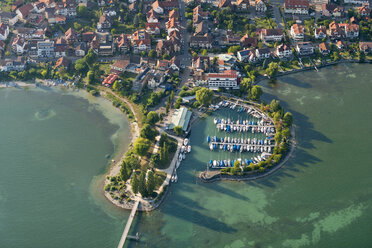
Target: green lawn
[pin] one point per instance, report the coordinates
(4, 6)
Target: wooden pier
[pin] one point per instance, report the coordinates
(129, 223)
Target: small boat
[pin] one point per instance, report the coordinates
(189, 149)
(182, 148)
(186, 141)
(215, 120)
(183, 156)
(208, 139)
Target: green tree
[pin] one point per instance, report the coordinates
(150, 182)
(256, 93)
(81, 65)
(234, 49)
(124, 172)
(152, 117)
(134, 183)
(82, 11)
(116, 86)
(152, 53)
(177, 105)
(245, 86)
(148, 132)
(275, 105)
(178, 130)
(204, 96)
(141, 146)
(90, 77)
(287, 119)
(142, 184)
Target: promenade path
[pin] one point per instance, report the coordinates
(129, 223)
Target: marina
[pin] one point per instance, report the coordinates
(251, 133)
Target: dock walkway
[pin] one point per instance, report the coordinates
(129, 223)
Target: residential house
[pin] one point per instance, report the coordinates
(122, 43)
(8, 18)
(296, 7)
(297, 32)
(174, 14)
(222, 4)
(260, 6)
(271, 35)
(320, 33)
(263, 53)
(204, 41)
(340, 44)
(59, 19)
(155, 79)
(81, 49)
(153, 27)
(71, 36)
(247, 41)
(331, 9)
(161, 7)
(334, 32)
(4, 31)
(120, 66)
(229, 79)
(305, 48)
(66, 8)
(283, 51)
(51, 16)
(39, 7)
(152, 16)
(172, 25)
(365, 47)
(324, 48)
(109, 80)
(230, 39)
(242, 5)
(141, 41)
(45, 49)
(102, 44)
(62, 62)
(248, 55)
(201, 28)
(351, 30)
(201, 63)
(88, 36)
(61, 48)
(364, 10)
(19, 44)
(199, 15)
(104, 23)
(24, 11)
(13, 65)
(357, 2)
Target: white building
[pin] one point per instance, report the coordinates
(45, 49)
(4, 31)
(228, 79)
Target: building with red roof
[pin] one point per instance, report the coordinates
(296, 7)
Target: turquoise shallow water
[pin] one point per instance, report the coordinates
(52, 148)
(51, 162)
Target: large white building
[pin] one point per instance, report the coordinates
(45, 49)
(228, 79)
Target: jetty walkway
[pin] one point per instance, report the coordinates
(129, 223)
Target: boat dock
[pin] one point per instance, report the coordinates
(129, 223)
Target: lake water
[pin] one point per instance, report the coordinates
(51, 162)
(322, 196)
(53, 147)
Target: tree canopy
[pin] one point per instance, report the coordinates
(204, 96)
(141, 146)
(152, 117)
(256, 93)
